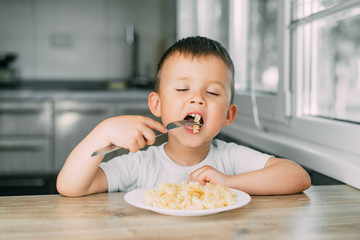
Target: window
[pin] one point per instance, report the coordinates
(208, 18)
(298, 81)
(262, 56)
(213, 20)
(306, 54)
(257, 49)
(329, 54)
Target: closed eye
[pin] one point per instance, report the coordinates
(181, 89)
(213, 93)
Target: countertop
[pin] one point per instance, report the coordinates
(53, 94)
(74, 90)
(321, 212)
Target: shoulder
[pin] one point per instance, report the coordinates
(236, 151)
(239, 158)
(222, 145)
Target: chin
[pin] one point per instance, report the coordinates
(193, 145)
(192, 141)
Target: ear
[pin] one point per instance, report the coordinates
(230, 115)
(154, 104)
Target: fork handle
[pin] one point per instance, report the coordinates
(105, 150)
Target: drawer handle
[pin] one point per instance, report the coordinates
(83, 111)
(21, 111)
(33, 182)
(20, 147)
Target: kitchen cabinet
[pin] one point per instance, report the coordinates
(39, 129)
(25, 117)
(25, 136)
(73, 121)
(25, 156)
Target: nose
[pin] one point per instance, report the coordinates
(197, 99)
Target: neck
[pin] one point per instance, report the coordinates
(186, 156)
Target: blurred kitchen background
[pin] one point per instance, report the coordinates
(84, 40)
(67, 65)
(64, 67)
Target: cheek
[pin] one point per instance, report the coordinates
(169, 110)
(220, 112)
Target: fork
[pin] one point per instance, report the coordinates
(169, 127)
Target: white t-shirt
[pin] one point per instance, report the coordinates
(153, 167)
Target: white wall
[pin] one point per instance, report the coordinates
(83, 39)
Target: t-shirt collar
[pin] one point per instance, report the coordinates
(168, 161)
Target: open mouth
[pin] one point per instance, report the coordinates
(196, 118)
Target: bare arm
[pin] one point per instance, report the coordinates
(279, 176)
(81, 174)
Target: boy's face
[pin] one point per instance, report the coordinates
(199, 86)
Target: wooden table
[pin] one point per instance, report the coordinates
(321, 212)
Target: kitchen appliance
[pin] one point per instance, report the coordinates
(136, 80)
(7, 71)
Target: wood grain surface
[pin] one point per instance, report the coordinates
(321, 212)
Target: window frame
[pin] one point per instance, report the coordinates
(330, 147)
(281, 99)
(331, 132)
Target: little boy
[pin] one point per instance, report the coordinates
(195, 78)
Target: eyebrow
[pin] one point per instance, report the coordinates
(211, 81)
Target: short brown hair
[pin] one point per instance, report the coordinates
(196, 47)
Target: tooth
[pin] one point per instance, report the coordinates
(197, 118)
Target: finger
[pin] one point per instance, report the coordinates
(196, 176)
(204, 175)
(133, 149)
(133, 145)
(151, 123)
(202, 179)
(149, 136)
(197, 172)
(140, 142)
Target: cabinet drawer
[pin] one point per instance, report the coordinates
(25, 156)
(19, 118)
(73, 121)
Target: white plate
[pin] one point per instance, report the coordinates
(135, 198)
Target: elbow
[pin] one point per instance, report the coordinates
(66, 189)
(304, 182)
(301, 178)
(62, 189)
(307, 182)
(68, 192)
